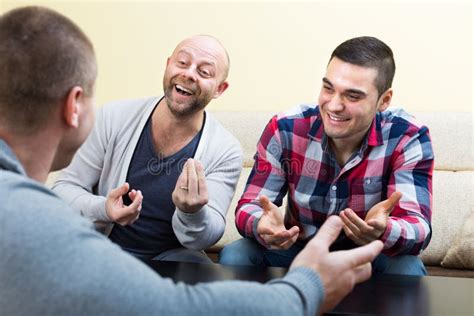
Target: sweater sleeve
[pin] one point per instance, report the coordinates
(204, 228)
(80, 272)
(76, 182)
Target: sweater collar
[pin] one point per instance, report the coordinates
(8, 159)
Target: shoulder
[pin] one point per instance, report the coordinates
(123, 116)
(398, 116)
(303, 111)
(124, 109)
(400, 122)
(297, 120)
(30, 201)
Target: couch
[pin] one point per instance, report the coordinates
(451, 250)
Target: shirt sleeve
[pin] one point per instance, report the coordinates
(266, 178)
(76, 182)
(409, 226)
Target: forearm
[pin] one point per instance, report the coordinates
(117, 283)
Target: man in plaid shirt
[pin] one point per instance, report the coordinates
(348, 156)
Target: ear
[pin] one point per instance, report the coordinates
(168, 61)
(72, 107)
(385, 99)
(220, 89)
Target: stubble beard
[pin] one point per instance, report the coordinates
(184, 110)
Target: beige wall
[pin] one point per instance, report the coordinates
(279, 50)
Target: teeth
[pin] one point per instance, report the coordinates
(180, 87)
(335, 118)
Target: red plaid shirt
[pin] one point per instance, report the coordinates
(293, 157)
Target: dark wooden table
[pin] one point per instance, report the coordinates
(381, 295)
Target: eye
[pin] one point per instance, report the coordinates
(181, 62)
(353, 97)
(205, 73)
(327, 88)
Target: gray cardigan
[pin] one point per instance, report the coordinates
(52, 262)
(101, 164)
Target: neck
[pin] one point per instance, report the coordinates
(165, 120)
(35, 153)
(170, 132)
(344, 148)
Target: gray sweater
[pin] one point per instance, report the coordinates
(103, 160)
(52, 262)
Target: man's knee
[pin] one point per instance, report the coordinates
(403, 264)
(244, 251)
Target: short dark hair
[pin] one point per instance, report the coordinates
(43, 55)
(369, 52)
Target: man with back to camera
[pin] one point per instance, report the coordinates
(52, 260)
(347, 156)
(181, 164)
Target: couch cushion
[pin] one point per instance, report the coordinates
(452, 138)
(451, 204)
(461, 254)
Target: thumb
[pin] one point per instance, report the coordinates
(265, 203)
(121, 190)
(329, 232)
(390, 203)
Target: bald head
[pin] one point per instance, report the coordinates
(210, 46)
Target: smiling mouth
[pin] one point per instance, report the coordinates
(182, 90)
(337, 118)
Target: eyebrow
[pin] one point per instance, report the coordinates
(190, 54)
(352, 91)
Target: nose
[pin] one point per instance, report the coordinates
(190, 73)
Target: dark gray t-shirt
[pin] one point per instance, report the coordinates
(156, 177)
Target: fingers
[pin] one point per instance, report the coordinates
(136, 205)
(364, 254)
(294, 236)
(377, 224)
(118, 192)
(265, 230)
(281, 240)
(201, 178)
(352, 221)
(356, 228)
(328, 232)
(352, 236)
(363, 272)
(190, 193)
(182, 181)
(192, 177)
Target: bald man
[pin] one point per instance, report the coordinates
(157, 175)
